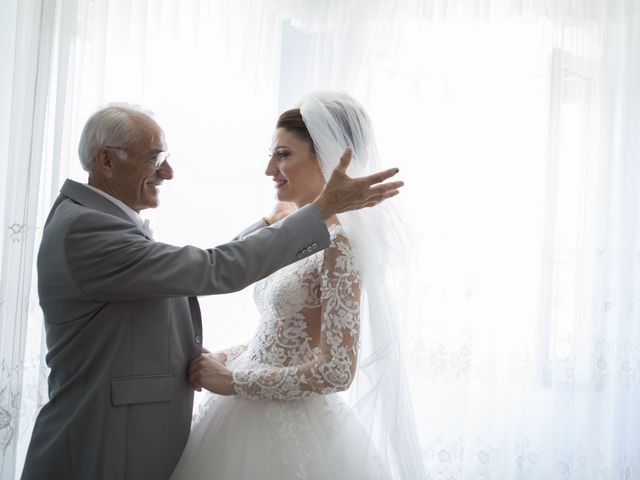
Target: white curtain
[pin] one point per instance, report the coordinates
(25, 161)
(516, 125)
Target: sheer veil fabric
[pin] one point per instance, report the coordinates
(379, 394)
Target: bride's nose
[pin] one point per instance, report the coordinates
(271, 167)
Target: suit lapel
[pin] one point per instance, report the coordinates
(86, 197)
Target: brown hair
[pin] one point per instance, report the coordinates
(291, 121)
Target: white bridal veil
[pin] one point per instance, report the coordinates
(379, 394)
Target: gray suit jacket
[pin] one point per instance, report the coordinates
(122, 323)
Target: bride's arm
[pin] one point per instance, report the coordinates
(280, 211)
(336, 357)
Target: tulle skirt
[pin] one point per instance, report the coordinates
(317, 438)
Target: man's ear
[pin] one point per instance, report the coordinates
(103, 162)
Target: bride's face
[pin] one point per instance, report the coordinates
(294, 168)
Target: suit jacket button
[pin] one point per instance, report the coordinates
(198, 339)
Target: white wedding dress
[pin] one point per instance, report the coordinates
(286, 421)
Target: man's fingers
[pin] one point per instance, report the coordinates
(383, 187)
(380, 191)
(389, 194)
(380, 176)
(387, 186)
(204, 350)
(345, 160)
(375, 200)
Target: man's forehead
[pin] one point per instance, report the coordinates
(152, 134)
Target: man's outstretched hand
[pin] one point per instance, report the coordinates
(343, 194)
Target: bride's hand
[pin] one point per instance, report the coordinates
(280, 211)
(208, 372)
(219, 357)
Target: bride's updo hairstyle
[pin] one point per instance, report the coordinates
(333, 121)
(291, 121)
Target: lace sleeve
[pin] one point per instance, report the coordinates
(335, 359)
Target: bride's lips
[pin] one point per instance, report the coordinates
(279, 183)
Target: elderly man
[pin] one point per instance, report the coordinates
(121, 315)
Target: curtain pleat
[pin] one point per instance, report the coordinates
(32, 80)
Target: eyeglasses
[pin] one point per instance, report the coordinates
(157, 158)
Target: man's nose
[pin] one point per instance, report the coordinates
(165, 171)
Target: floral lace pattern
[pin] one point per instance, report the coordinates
(307, 341)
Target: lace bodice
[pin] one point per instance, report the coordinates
(307, 339)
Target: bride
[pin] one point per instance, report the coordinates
(319, 391)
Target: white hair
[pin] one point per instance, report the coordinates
(111, 126)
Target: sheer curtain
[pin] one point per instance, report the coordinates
(516, 125)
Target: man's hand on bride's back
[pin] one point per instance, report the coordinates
(209, 372)
(343, 193)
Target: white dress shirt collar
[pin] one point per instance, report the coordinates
(142, 224)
